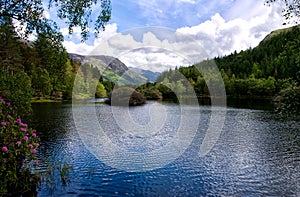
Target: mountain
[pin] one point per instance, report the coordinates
(277, 55)
(260, 71)
(151, 76)
(277, 32)
(103, 62)
(111, 69)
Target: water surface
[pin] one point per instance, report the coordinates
(256, 155)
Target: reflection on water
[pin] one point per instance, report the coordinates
(254, 156)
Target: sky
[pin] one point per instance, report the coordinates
(159, 34)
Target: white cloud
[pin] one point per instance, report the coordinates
(84, 48)
(110, 30)
(158, 49)
(76, 34)
(80, 48)
(21, 31)
(220, 37)
(187, 1)
(46, 14)
(153, 59)
(149, 52)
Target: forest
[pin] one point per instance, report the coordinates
(270, 70)
(42, 69)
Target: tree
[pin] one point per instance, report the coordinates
(16, 89)
(76, 14)
(291, 10)
(125, 96)
(53, 57)
(256, 72)
(10, 59)
(289, 101)
(100, 91)
(41, 82)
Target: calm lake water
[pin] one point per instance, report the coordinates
(256, 154)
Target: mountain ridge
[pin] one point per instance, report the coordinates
(150, 75)
(277, 32)
(114, 64)
(107, 61)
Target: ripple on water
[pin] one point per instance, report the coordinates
(254, 156)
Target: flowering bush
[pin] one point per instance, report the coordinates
(18, 144)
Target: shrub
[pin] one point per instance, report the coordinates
(126, 96)
(100, 91)
(18, 145)
(17, 89)
(289, 101)
(153, 94)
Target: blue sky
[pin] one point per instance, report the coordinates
(219, 26)
(172, 14)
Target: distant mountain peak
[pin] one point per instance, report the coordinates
(111, 68)
(150, 75)
(114, 64)
(109, 61)
(277, 32)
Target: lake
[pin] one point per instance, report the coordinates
(255, 153)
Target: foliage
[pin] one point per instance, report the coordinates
(53, 57)
(291, 10)
(88, 83)
(277, 56)
(44, 69)
(17, 89)
(41, 82)
(126, 96)
(29, 14)
(166, 92)
(150, 91)
(271, 67)
(254, 72)
(10, 58)
(100, 91)
(54, 173)
(18, 148)
(109, 85)
(289, 100)
(44, 61)
(153, 94)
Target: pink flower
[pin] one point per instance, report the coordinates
(34, 135)
(4, 149)
(19, 120)
(9, 116)
(23, 129)
(7, 103)
(19, 142)
(34, 151)
(3, 123)
(30, 146)
(36, 161)
(23, 125)
(26, 138)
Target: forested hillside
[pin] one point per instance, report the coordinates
(265, 70)
(40, 69)
(44, 70)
